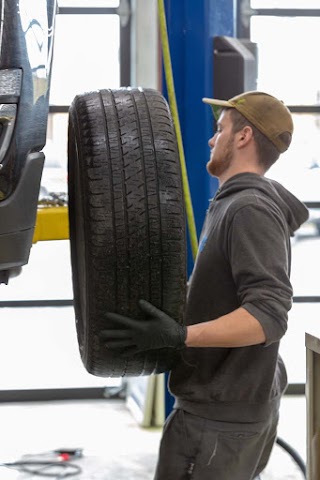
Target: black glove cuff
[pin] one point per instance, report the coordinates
(183, 337)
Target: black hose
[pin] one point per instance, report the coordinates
(294, 454)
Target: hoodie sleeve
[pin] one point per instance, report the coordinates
(259, 253)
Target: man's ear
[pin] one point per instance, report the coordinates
(245, 136)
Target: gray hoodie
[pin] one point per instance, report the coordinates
(243, 260)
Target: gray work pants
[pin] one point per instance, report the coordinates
(194, 448)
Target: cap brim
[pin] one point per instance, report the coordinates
(217, 106)
(218, 103)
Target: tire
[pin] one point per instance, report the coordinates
(127, 220)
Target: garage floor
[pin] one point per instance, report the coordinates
(114, 446)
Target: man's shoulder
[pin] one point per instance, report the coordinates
(250, 198)
(252, 202)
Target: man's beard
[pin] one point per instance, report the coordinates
(218, 166)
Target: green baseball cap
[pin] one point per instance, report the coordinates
(268, 114)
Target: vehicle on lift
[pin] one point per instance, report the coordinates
(26, 43)
(125, 198)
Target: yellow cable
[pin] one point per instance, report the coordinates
(175, 116)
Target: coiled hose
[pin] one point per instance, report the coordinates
(294, 454)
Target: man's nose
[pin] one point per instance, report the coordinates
(211, 142)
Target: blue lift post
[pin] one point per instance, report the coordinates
(192, 25)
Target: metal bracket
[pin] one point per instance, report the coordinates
(8, 115)
(124, 12)
(246, 13)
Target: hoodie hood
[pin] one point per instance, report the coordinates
(295, 212)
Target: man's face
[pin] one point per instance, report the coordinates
(221, 145)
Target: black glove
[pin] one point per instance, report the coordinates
(158, 330)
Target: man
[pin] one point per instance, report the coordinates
(229, 381)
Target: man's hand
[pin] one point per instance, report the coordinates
(158, 330)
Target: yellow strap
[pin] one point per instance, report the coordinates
(175, 116)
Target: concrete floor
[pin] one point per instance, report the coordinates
(114, 446)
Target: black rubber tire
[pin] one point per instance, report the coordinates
(127, 220)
